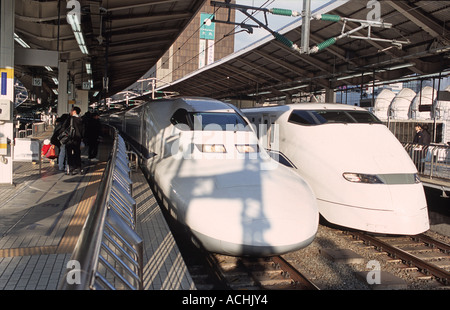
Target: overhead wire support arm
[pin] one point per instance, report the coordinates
(249, 27)
(305, 34)
(275, 11)
(363, 24)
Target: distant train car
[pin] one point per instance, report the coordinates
(206, 162)
(360, 173)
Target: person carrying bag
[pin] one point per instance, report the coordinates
(73, 135)
(67, 134)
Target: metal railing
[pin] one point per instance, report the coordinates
(28, 131)
(431, 160)
(109, 253)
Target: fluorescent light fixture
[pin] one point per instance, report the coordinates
(261, 93)
(96, 93)
(401, 66)
(79, 37)
(353, 76)
(292, 88)
(409, 64)
(74, 22)
(48, 68)
(55, 91)
(76, 27)
(83, 49)
(55, 80)
(20, 41)
(443, 49)
(91, 82)
(88, 68)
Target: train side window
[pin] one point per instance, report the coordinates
(302, 118)
(180, 119)
(364, 117)
(335, 117)
(317, 117)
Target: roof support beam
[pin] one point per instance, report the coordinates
(308, 59)
(247, 75)
(263, 70)
(421, 20)
(283, 64)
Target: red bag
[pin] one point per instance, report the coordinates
(51, 154)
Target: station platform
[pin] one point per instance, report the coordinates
(42, 215)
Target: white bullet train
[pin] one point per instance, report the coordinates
(360, 173)
(205, 160)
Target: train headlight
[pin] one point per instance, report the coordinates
(247, 148)
(212, 148)
(362, 178)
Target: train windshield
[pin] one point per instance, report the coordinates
(215, 121)
(219, 121)
(318, 117)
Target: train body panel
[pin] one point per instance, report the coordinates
(360, 173)
(220, 184)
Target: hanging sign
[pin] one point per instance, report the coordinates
(207, 27)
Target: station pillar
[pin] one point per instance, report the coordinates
(330, 95)
(6, 90)
(82, 100)
(63, 98)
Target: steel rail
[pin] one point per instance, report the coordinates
(444, 247)
(294, 274)
(439, 273)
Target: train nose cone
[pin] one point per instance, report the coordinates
(269, 215)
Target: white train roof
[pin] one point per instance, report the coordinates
(202, 104)
(308, 106)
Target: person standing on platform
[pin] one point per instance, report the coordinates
(60, 148)
(73, 146)
(93, 128)
(423, 138)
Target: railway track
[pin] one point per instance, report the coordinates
(419, 257)
(274, 273)
(420, 252)
(212, 271)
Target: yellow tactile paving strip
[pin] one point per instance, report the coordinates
(69, 240)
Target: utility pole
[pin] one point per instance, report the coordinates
(306, 19)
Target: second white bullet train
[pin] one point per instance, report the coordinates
(207, 164)
(360, 173)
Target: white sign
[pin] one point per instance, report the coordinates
(210, 52)
(37, 82)
(27, 149)
(202, 54)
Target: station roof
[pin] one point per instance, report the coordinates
(124, 38)
(270, 69)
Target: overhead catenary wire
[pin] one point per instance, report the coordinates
(216, 42)
(323, 45)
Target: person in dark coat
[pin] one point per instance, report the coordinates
(60, 148)
(93, 128)
(423, 138)
(73, 146)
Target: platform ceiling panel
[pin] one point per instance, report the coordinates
(270, 67)
(124, 38)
